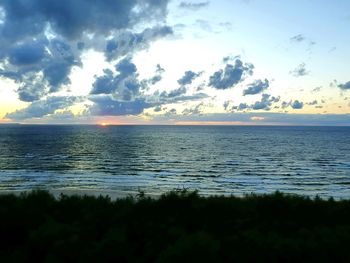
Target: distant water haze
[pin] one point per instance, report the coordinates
(216, 160)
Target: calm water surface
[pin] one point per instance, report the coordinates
(213, 159)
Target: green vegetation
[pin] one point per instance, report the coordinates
(178, 227)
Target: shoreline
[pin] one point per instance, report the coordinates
(115, 195)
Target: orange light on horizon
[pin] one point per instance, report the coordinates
(104, 124)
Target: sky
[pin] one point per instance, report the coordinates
(234, 62)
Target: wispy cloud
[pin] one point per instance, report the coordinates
(300, 71)
(193, 6)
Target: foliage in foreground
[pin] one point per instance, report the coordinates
(178, 227)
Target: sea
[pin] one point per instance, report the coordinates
(215, 160)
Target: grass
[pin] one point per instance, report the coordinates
(180, 226)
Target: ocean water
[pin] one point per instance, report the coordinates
(220, 160)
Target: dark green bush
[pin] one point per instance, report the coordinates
(180, 226)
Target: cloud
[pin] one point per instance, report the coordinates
(297, 105)
(317, 89)
(106, 105)
(32, 90)
(158, 76)
(28, 53)
(231, 75)
(196, 110)
(193, 6)
(171, 112)
(265, 102)
(226, 25)
(227, 104)
(123, 86)
(157, 109)
(66, 19)
(145, 83)
(204, 25)
(297, 38)
(41, 64)
(104, 84)
(182, 98)
(345, 86)
(175, 93)
(42, 108)
(41, 41)
(300, 71)
(256, 87)
(121, 93)
(241, 107)
(311, 103)
(188, 77)
(127, 42)
(301, 38)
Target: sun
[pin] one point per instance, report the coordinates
(104, 124)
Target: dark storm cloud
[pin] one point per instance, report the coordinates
(42, 108)
(231, 75)
(256, 87)
(345, 86)
(300, 71)
(41, 41)
(106, 105)
(188, 77)
(193, 6)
